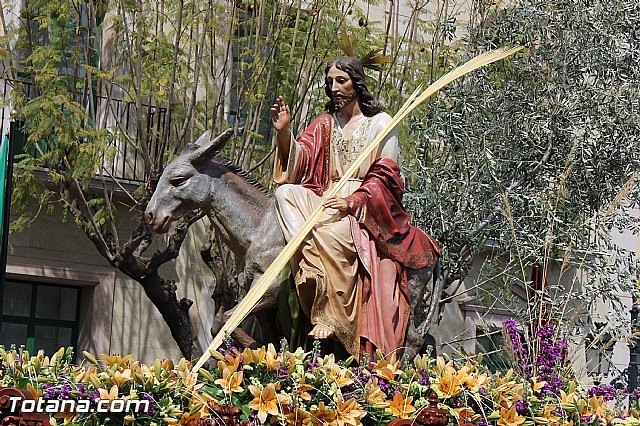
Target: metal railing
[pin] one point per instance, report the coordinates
(118, 116)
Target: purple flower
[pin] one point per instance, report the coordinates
(384, 385)
(152, 404)
(520, 351)
(546, 362)
(521, 406)
(607, 392)
(550, 358)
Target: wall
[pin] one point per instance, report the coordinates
(116, 316)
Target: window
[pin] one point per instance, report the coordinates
(40, 316)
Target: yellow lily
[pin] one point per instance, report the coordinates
(327, 360)
(422, 362)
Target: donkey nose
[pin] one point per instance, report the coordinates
(149, 216)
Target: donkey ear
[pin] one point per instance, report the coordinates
(208, 148)
(203, 139)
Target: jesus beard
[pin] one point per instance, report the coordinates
(342, 100)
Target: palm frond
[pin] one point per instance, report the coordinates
(374, 60)
(347, 43)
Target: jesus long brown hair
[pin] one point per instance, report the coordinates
(352, 66)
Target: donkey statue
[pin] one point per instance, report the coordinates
(244, 215)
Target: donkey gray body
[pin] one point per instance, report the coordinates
(244, 215)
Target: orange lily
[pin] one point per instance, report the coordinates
(119, 379)
(321, 415)
(387, 369)
(271, 359)
(509, 417)
(340, 376)
(536, 385)
(400, 406)
(349, 412)
(117, 359)
(375, 397)
(303, 389)
(549, 414)
(296, 417)
(449, 384)
(36, 394)
(570, 398)
(190, 380)
(265, 401)
(111, 394)
(230, 381)
(464, 415)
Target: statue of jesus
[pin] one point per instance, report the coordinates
(350, 271)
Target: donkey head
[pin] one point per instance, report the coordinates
(182, 186)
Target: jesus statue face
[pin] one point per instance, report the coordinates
(343, 91)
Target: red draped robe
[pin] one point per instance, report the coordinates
(385, 242)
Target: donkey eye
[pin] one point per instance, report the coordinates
(178, 180)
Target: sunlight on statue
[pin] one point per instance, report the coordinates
(351, 270)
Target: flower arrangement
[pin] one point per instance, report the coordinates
(269, 386)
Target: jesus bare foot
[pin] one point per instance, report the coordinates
(321, 332)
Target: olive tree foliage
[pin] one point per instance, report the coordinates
(535, 160)
(130, 83)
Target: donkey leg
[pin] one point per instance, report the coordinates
(268, 301)
(418, 281)
(413, 340)
(241, 337)
(265, 311)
